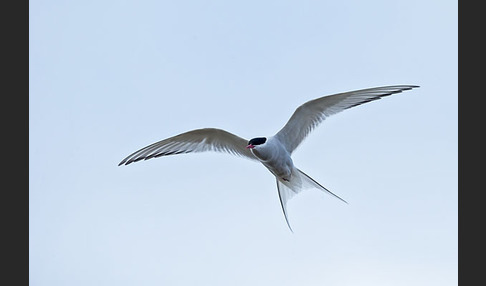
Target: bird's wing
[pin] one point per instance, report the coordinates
(200, 140)
(307, 116)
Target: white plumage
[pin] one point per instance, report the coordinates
(275, 151)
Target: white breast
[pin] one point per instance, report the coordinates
(275, 157)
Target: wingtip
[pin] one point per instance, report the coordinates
(124, 162)
(411, 86)
(406, 87)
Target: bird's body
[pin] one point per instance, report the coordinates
(274, 152)
(275, 157)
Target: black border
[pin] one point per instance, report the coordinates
(15, 139)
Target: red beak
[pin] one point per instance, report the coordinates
(250, 146)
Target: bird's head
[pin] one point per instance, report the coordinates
(256, 142)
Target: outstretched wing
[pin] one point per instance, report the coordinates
(307, 116)
(199, 140)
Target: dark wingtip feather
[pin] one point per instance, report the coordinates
(409, 87)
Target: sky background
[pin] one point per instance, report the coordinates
(107, 78)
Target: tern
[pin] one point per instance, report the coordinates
(274, 152)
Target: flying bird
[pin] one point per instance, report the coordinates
(274, 152)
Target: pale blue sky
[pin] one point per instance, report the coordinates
(109, 77)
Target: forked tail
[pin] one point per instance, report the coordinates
(299, 181)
